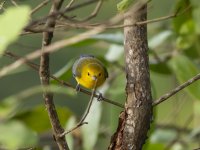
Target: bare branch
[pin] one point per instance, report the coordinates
(64, 25)
(94, 13)
(61, 12)
(176, 90)
(70, 4)
(44, 73)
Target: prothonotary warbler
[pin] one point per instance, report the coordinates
(89, 72)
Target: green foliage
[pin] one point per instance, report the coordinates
(185, 69)
(11, 26)
(14, 134)
(196, 14)
(155, 146)
(180, 20)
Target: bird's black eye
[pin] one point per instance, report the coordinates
(88, 74)
(99, 74)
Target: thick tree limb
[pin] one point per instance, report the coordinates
(135, 123)
(45, 76)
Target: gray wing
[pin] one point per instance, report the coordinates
(75, 71)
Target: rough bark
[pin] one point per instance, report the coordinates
(136, 118)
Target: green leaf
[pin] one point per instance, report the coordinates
(194, 134)
(185, 42)
(180, 20)
(124, 5)
(162, 68)
(187, 27)
(185, 69)
(196, 14)
(15, 134)
(192, 52)
(11, 25)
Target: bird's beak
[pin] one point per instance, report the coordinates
(94, 78)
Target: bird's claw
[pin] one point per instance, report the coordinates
(100, 97)
(78, 88)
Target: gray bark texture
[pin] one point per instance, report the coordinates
(134, 121)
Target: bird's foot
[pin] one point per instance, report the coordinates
(78, 88)
(99, 97)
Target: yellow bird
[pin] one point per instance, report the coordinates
(89, 71)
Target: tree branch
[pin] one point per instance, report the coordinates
(44, 77)
(176, 90)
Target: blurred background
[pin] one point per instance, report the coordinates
(174, 58)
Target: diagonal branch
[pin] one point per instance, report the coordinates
(176, 90)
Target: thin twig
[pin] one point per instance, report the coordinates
(63, 25)
(61, 12)
(176, 90)
(36, 68)
(39, 6)
(94, 13)
(81, 122)
(69, 4)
